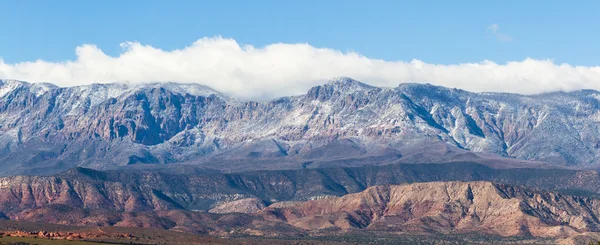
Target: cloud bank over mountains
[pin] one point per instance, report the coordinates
(280, 69)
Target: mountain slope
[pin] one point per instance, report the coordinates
(46, 129)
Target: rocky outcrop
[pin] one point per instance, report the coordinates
(447, 207)
(246, 205)
(45, 129)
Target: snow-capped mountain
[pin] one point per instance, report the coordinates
(46, 129)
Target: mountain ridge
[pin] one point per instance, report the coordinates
(338, 82)
(103, 127)
(137, 190)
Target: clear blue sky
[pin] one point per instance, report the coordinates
(445, 32)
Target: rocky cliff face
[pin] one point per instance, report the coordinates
(46, 129)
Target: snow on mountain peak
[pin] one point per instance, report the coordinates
(188, 88)
(41, 88)
(97, 93)
(348, 83)
(6, 86)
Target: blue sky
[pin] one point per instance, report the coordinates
(442, 32)
(265, 49)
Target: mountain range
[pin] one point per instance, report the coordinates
(346, 161)
(45, 129)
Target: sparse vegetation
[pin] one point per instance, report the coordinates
(6, 240)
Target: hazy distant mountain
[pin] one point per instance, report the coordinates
(46, 129)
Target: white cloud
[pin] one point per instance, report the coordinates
(499, 36)
(250, 72)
